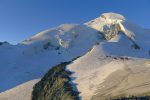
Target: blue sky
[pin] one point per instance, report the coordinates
(21, 19)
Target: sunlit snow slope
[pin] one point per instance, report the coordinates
(101, 76)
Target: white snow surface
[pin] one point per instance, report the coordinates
(92, 74)
(29, 60)
(20, 92)
(91, 69)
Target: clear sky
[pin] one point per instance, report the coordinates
(21, 19)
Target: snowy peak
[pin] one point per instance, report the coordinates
(110, 24)
(119, 33)
(114, 16)
(106, 19)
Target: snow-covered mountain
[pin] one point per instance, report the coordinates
(112, 58)
(122, 34)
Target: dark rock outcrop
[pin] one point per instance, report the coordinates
(55, 85)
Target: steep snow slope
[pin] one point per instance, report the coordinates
(100, 76)
(32, 58)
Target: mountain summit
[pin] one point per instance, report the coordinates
(116, 28)
(108, 57)
(110, 24)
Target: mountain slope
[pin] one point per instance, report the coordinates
(109, 47)
(20, 92)
(101, 77)
(31, 59)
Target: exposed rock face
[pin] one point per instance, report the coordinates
(55, 85)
